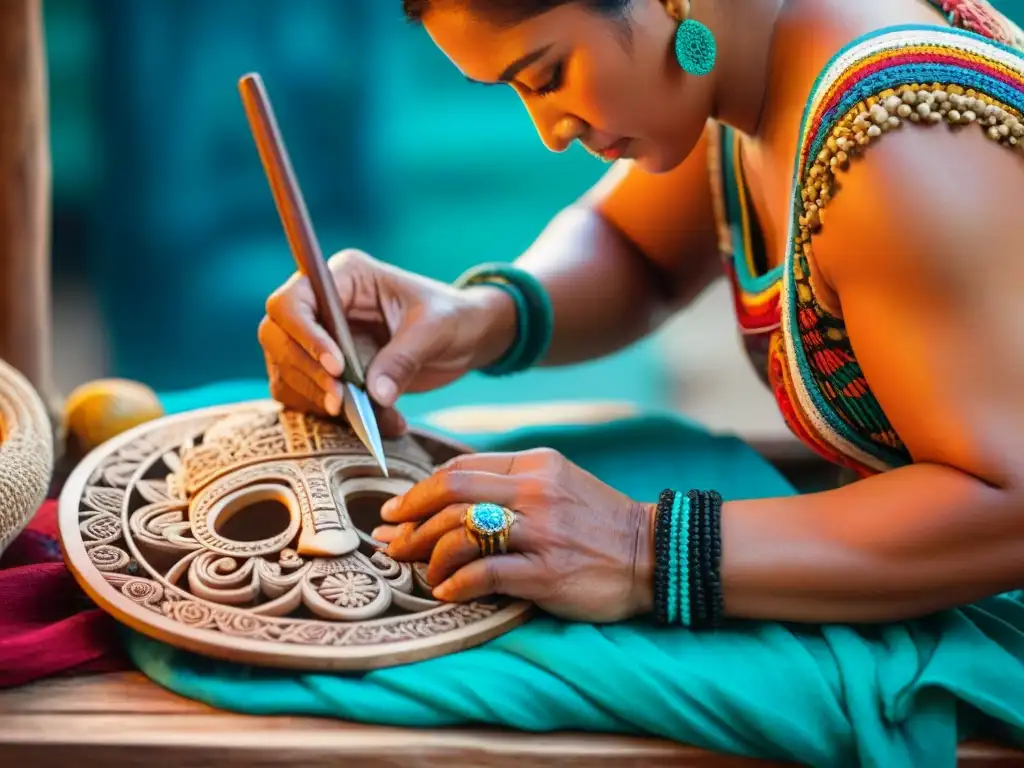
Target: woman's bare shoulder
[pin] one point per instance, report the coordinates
(931, 202)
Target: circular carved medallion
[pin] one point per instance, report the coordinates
(243, 533)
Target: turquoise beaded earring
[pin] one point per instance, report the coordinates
(695, 44)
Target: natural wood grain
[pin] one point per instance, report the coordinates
(230, 740)
(24, 195)
(127, 721)
(124, 719)
(126, 693)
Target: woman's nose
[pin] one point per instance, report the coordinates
(557, 132)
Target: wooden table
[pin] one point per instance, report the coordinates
(124, 720)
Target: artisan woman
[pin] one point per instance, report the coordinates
(877, 288)
(859, 167)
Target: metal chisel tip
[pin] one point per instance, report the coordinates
(359, 412)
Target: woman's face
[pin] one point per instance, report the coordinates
(613, 85)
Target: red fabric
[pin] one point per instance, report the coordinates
(47, 625)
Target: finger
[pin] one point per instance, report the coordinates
(293, 308)
(328, 403)
(416, 543)
(295, 401)
(392, 424)
(513, 575)
(288, 353)
(398, 362)
(413, 337)
(532, 462)
(353, 292)
(442, 489)
(496, 463)
(385, 534)
(456, 548)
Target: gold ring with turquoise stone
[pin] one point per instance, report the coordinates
(488, 526)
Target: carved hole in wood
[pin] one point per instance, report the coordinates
(225, 499)
(254, 514)
(364, 508)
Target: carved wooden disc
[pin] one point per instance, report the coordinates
(242, 533)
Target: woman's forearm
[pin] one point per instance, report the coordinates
(899, 545)
(24, 194)
(604, 292)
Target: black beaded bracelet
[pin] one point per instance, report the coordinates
(717, 608)
(662, 555)
(699, 569)
(688, 554)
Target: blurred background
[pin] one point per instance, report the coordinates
(166, 241)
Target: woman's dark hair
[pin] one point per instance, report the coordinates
(515, 11)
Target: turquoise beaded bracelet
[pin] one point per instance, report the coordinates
(534, 315)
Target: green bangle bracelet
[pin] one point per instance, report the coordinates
(507, 363)
(534, 315)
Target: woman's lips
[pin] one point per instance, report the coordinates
(612, 152)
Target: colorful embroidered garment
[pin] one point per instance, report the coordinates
(875, 83)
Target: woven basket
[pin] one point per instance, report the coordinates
(26, 453)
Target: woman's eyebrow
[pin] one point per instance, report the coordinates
(516, 66)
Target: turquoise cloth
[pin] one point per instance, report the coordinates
(892, 696)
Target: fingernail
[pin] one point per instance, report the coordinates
(332, 404)
(385, 390)
(330, 364)
(390, 507)
(376, 532)
(442, 591)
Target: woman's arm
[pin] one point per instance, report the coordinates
(931, 297)
(24, 194)
(900, 545)
(614, 264)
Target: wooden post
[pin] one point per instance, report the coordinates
(25, 182)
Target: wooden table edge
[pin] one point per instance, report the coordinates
(116, 718)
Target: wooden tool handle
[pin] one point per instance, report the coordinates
(297, 225)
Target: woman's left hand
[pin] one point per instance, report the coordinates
(578, 548)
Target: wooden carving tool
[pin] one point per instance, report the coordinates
(306, 249)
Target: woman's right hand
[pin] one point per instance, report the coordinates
(429, 333)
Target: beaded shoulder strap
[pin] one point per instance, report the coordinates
(981, 17)
(902, 75)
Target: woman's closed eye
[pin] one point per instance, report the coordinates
(554, 82)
